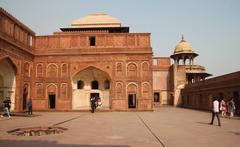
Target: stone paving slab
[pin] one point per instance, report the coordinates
(167, 126)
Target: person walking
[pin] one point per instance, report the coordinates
(29, 105)
(6, 107)
(93, 104)
(231, 107)
(223, 108)
(215, 112)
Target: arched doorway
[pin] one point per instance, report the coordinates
(25, 94)
(7, 81)
(90, 82)
(132, 95)
(52, 95)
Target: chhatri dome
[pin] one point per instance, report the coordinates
(183, 51)
(183, 47)
(96, 20)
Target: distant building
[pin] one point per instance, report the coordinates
(184, 73)
(200, 95)
(161, 81)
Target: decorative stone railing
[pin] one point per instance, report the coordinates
(108, 40)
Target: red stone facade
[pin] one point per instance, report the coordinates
(16, 47)
(111, 62)
(161, 81)
(47, 64)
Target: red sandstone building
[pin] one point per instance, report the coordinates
(97, 56)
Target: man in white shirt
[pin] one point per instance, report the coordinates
(215, 111)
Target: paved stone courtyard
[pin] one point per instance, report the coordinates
(166, 126)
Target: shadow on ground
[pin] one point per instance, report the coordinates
(236, 133)
(37, 143)
(203, 123)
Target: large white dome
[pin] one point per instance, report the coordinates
(96, 20)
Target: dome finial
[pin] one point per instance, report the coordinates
(183, 39)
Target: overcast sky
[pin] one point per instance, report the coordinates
(212, 27)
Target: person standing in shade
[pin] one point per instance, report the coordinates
(231, 107)
(215, 112)
(29, 105)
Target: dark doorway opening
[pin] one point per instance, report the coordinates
(94, 95)
(132, 101)
(92, 40)
(24, 102)
(156, 97)
(94, 84)
(51, 101)
(220, 96)
(236, 99)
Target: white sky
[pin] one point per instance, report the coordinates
(212, 27)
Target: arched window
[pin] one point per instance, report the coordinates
(80, 84)
(107, 84)
(94, 84)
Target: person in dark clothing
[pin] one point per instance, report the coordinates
(29, 105)
(93, 104)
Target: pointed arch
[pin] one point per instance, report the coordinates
(132, 69)
(8, 73)
(39, 70)
(64, 90)
(119, 90)
(52, 70)
(145, 90)
(52, 95)
(94, 84)
(91, 67)
(145, 68)
(26, 66)
(132, 87)
(52, 88)
(64, 70)
(11, 61)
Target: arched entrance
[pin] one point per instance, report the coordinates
(90, 82)
(7, 81)
(25, 94)
(132, 95)
(52, 95)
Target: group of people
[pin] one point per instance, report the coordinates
(227, 107)
(95, 102)
(223, 107)
(7, 107)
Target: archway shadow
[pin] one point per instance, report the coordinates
(37, 143)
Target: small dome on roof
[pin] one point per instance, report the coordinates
(183, 47)
(96, 20)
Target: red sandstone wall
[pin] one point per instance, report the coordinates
(16, 46)
(48, 63)
(126, 58)
(200, 95)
